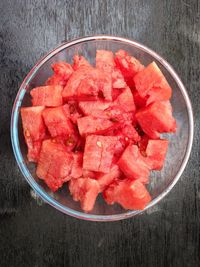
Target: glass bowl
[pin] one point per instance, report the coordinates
(180, 142)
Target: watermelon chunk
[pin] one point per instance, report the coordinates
(156, 153)
(109, 192)
(125, 100)
(62, 69)
(105, 60)
(34, 130)
(33, 124)
(129, 194)
(57, 122)
(156, 118)
(62, 72)
(54, 164)
(152, 83)
(133, 164)
(56, 80)
(104, 179)
(91, 125)
(118, 81)
(129, 66)
(77, 166)
(93, 107)
(89, 174)
(86, 191)
(87, 83)
(98, 153)
(49, 96)
(80, 61)
(34, 148)
(70, 90)
(140, 102)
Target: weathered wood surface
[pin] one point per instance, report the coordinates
(34, 235)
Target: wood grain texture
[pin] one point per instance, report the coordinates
(36, 235)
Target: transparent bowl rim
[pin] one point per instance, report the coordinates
(15, 140)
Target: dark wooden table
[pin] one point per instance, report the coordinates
(34, 234)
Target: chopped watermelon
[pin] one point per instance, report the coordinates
(34, 148)
(77, 166)
(93, 107)
(152, 83)
(156, 118)
(33, 124)
(57, 122)
(86, 191)
(34, 130)
(89, 174)
(125, 100)
(99, 128)
(62, 69)
(156, 153)
(56, 80)
(105, 179)
(109, 192)
(62, 72)
(54, 164)
(118, 81)
(130, 194)
(133, 164)
(129, 66)
(91, 125)
(105, 60)
(98, 153)
(49, 96)
(86, 83)
(139, 101)
(70, 90)
(80, 61)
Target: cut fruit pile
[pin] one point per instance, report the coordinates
(98, 128)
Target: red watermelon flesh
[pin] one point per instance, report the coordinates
(57, 122)
(86, 191)
(139, 101)
(130, 194)
(125, 100)
(80, 61)
(91, 125)
(133, 164)
(32, 122)
(98, 153)
(54, 164)
(49, 96)
(152, 83)
(62, 69)
(77, 166)
(156, 118)
(104, 179)
(70, 90)
(34, 148)
(105, 60)
(109, 192)
(56, 80)
(156, 153)
(86, 83)
(93, 107)
(34, 130)
(129, 66)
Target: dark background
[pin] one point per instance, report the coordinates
(35, 234)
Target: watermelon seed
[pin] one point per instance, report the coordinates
(99, 144)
